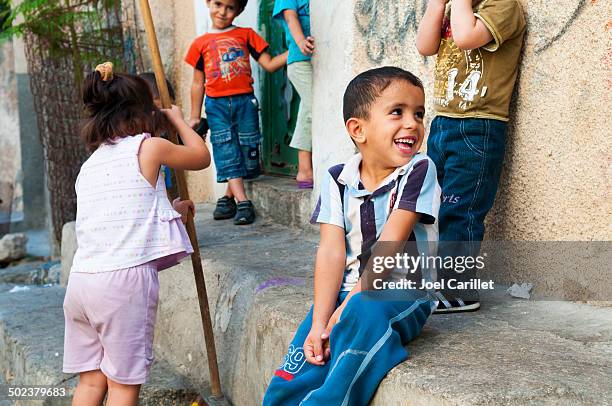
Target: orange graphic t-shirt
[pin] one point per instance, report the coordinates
(224, 59)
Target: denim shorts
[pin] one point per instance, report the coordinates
(235, 135)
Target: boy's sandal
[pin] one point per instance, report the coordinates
(305, 184)
(446, 305)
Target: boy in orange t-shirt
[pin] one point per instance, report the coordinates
(222, 72)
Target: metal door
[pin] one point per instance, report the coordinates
(279, 104)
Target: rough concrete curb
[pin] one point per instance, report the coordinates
(69, 246)
(292, 210)
(259, 282)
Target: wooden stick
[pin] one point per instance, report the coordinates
(209, 337)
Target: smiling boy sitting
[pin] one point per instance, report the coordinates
(385, 194)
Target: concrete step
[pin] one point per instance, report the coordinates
(259, 281)
(279, 200)
(31, 349)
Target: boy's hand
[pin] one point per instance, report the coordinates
(307, 45)
(174, 114)
(193, 122)
(184, 207)
(315, 347)
(335, 317)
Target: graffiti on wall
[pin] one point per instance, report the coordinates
(548, 27)
(382, 22)
(385, 22)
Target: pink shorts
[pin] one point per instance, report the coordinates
(110, 318)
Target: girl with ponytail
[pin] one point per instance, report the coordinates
(127, 230)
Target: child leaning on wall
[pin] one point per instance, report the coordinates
(369, 207)
(295, 16)
(478, 43)
(222, 72)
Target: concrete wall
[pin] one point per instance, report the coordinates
(35, 193)
(11, 191)
(556, 176)
(334, 66)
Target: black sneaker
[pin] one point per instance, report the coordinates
(245, 213)
(225, 209)
(447, 305)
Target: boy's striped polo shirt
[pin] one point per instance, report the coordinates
(362, 214)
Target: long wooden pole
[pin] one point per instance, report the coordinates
(209, 337)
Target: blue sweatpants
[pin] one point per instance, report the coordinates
(366, 343)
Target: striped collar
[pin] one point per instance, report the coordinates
(351, 177)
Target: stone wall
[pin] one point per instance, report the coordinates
(555, 181)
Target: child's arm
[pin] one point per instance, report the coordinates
(329, 270)
(197, 97)
(397, 229)
(306, 44)
(193, 155)
(272, 64)
(430, 28)
(468, 31)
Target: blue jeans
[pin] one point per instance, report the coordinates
(468, 154)
(366, 343)
(235, 136)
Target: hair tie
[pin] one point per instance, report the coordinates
(106, 71)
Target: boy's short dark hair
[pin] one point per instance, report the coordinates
(367, 86)
(149, 77)
(242, 4)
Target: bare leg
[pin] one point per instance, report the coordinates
(228, 191)
(122, 395)
(237, 187)
(304, 166)
(91, 389)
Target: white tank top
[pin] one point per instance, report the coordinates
(122, 221)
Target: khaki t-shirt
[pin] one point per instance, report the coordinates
(479, 83)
